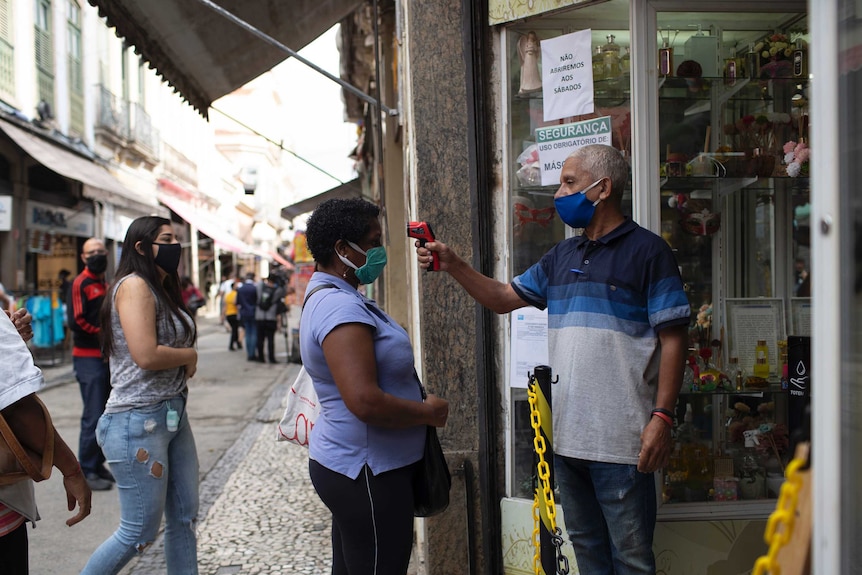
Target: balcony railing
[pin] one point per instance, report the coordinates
(143, 133)
(113, 114)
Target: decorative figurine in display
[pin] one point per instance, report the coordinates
(528, 50)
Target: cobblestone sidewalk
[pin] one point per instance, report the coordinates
(260, 512)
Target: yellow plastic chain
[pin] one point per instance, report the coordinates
(544, 490)
(783, 516)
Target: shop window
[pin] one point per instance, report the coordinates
(535, 226)
(734, 203)
(734, 208)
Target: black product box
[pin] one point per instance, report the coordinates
(799, 375)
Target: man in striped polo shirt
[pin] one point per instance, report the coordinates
(94, 378)
(617, 335)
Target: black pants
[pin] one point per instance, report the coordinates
(233, 321)
(266, 333)
(14, 559)
(372, 519)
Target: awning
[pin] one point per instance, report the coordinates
(351, 189)
(207, 224)
(202, 54)
(277, 257)
(99, 184)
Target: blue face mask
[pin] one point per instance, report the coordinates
(575, 209)
(375, 261)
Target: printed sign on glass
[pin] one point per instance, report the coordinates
(567, 76)
(556, 143)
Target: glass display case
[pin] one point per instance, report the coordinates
(734, 204)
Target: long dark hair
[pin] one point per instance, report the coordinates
(145, 230)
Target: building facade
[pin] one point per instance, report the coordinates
(93, 138)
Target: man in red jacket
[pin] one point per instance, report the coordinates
(83, 303)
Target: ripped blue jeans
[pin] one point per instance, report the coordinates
(157, 473)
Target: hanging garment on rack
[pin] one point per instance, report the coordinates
(45, 321)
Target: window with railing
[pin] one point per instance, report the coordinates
(76, 69)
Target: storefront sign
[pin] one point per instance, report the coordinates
(501, 11)
(301, 253)
(5, 213)
(301, 275)
(567, 75)
(556, 143)
(57, 220)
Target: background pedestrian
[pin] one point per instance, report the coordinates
(193, 299)
(86, 295)
(246, 300)
(270, 309)
(231, 315)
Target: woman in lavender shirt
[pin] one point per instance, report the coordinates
(371, 430)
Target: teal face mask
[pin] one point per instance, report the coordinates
(375, 261)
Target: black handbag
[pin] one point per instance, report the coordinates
(431, 480)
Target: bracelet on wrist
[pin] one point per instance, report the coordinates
(667, 412)
(664, 417)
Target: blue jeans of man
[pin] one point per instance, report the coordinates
(610, 512)
(250, 327)
(157, 474)
(94, 381)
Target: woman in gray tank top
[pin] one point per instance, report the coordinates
(148, 337)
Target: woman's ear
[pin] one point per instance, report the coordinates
(339, 246)
(138, 248)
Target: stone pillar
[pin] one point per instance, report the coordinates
(439, 170)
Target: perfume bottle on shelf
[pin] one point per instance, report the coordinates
(598, 65)
(735, 373)
(752, 63)
(611, 58)
(761, 359)
(665, 53)
(800, 63)
(626, 62)
(665, 60)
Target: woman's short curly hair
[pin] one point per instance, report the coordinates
(338, 219)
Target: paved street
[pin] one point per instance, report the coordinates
(259, 513)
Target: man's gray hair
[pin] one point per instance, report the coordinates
(602, 161)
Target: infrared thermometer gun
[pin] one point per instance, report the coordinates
(422, 232)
